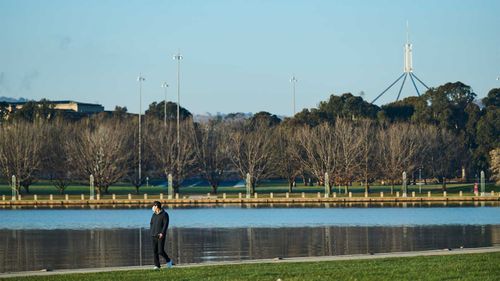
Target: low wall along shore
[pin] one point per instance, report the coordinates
(267, 198)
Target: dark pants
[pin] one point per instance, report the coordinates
(159, 249)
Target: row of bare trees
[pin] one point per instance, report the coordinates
(107, 148)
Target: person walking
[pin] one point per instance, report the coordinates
(158, 231)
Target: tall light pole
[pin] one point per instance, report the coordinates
(293, 80)
(178, 57)
(140, 79)
(164, 85)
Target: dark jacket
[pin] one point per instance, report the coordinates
(159, 223)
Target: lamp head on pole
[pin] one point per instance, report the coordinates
(293, 79)
(164, 85)
(178, 56)
(140, 78)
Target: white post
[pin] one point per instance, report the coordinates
(483, 191)
(14, 188)
(327, 184)
(170, 186)
(249, 185)
(91, 179)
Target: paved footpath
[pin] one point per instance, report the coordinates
(276, 260)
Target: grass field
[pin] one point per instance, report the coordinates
(46, 188)
(453, 267)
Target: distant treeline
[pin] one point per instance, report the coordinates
(442, 133)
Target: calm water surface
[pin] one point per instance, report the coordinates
(34, 239)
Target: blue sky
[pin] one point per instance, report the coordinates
(240, 55)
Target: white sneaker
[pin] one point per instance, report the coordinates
(156, 268)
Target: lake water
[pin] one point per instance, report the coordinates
(34, 239)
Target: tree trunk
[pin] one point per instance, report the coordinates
(27, 188)
(214, 189)
(290, 185)
(137, 189)
(392, 187)
(444, 184)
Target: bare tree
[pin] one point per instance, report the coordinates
(211, 151)
(132, 144)
(286, 147)
(349, 150)
(54, 156)
(174, 159)
(367, 135)
(398, 147)
(250, 150)
(318, 150)
(21, 145)
(99, 149)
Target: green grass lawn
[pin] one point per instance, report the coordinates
(44, 188)
(456, 267)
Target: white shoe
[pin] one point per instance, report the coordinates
(156, 268)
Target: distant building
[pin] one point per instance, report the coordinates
(65, 105)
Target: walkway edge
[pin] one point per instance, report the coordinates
(276, 260)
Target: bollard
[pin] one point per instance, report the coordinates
(35, 197)
(66, 197)
(114, 196)
(271, 195)
(460, 193)
(51, 197)
(129, 196)
(366, 194)
(177, 196)
(397, 193)
(255, 195)
(224, 195)
(492, 193)
(145, 196)
(303, 195)
(161, 196)
(444, 193)
(413, 194)
(3, 197)
(82, 196)
(287, 195)
(335, 195)
(239, 195)
(428, 194)
(319, 194)
(350, 194)
(19, 197)
(98, 197)
(208, 194)
(381, 194)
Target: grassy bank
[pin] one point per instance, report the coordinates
(45, 188)
(453, 267)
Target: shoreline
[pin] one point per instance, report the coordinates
(197, 200)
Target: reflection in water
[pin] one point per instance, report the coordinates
(22, 250)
